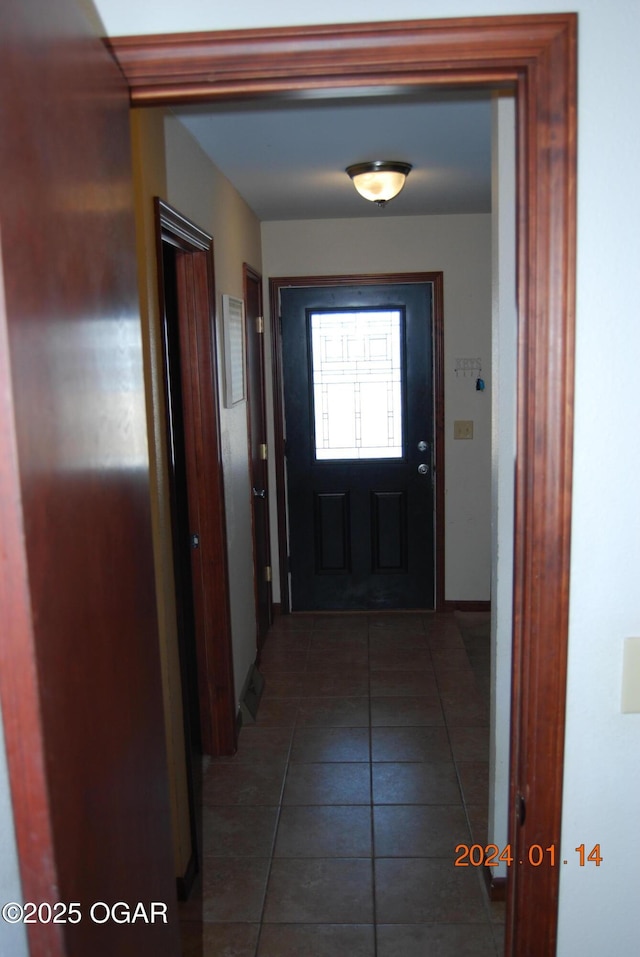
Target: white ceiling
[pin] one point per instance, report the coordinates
(287, 157)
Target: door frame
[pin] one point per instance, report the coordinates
(250, 275)
(205, 484)
(276, 285)
(536, 57)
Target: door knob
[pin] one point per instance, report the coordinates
(423, 469)
(259, 493)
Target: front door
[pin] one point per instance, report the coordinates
(357, 371)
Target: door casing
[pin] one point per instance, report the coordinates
(436, 279)
(205, 486)
(258, 451)
(536, 56)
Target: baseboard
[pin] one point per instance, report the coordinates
(185, 883)
(496, 886)
(466, 606)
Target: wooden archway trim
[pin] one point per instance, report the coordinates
(536, 55)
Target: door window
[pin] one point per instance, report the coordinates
(356, 368)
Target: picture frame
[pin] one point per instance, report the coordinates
(233, 318)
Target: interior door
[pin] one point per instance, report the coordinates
(194, 364)
(358, 395)
(80, 677)
(257, 425)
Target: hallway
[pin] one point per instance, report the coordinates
(333, 829)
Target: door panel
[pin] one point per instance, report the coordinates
(80, 676)
(331, 532)
(388, 531)
(360, 512)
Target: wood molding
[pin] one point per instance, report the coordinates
(278, 451)
(466, 606)
(190, 67)
(256, 408)
(436, 279)
(536, 57)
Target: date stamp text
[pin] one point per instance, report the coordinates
(490, 855)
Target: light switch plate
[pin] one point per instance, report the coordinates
(631, 676)
(463, 429)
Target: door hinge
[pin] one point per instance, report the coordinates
(521, 809)
(259, 324)
(263, 451)
(195, 540)
(267, 573)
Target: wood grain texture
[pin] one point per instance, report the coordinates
(200, 66)
(205, 485)
(536, 56)
(80, 676)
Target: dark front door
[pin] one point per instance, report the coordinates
(357, 364)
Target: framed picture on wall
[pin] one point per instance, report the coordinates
(233, 345)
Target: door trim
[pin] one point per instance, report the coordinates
(204, 474)
(249, 274)
(536, 56)
(436, 279)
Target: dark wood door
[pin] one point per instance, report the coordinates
(181, 526)
(357, 364)
(194, 363)
(258, 452)
(80, 675)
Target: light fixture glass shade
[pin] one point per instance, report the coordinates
(379, 180)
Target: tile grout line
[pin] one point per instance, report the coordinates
(295, 727)
(278, 816)
(485, 901)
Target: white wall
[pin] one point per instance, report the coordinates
(201, 192)
(460, 247)
(598, 906)
(150, 180)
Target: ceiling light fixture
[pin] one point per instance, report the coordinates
(379, 180)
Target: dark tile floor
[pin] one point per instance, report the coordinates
(332, 831)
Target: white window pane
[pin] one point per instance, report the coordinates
(357, 391)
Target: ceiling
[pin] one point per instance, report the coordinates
(287, 157)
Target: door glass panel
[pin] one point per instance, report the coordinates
(357, 384)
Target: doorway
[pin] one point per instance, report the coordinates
(537, 54)
(185, 271)
(360, 444)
